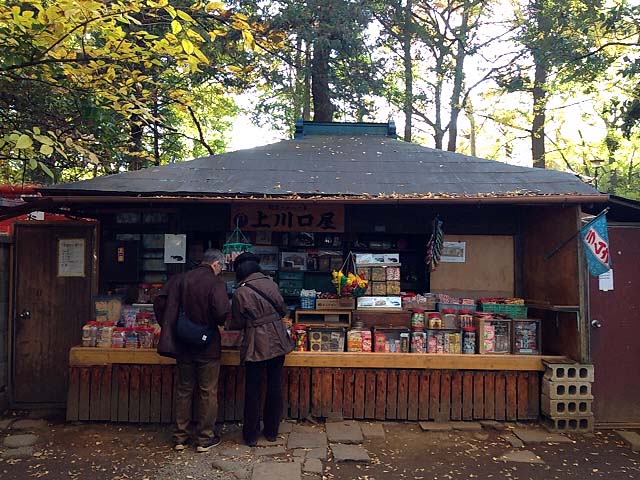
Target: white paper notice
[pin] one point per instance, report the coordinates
(71, 257)
(605, 281)
(175, 248)
(453, 252)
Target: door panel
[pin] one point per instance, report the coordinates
(615, 346)
(50, 309)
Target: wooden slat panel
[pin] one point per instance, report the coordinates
(123, 393)
(403, 394)
(145, 393)
(381, 394)
(105, 393)
(166, 403)
(489, 395)
(240, 389)
(327, 391)
(84, 397)
(316, 392)
(423, 396)
(294, 392)
(94, 392)
(478, 395)
(501, 396)
(412, 411)
(348, 376)
(156, 394)
(359, 393)
(134, 393)
(445, 396)
(392, 394)
(113, 410)
(370, 394)
(434, 395)
(230, 394)
(512, 402)
(456, 395)
(467, 396)
(338, 389)
(305, 392)
(222, 387)
(522, 391)
(534, 395)
(73, 398)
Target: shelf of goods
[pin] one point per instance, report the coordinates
(85, 356)
(323, 316)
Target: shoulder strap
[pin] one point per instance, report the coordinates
(263, 295)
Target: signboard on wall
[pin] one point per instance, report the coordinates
(288, 217)
(71, 253)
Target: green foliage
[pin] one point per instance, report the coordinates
(99, 87)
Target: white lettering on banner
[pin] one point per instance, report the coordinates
(597, 245)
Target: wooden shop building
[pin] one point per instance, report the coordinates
(305, 204)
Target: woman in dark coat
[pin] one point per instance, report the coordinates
(257, 309)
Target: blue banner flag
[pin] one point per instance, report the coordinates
(596, 245)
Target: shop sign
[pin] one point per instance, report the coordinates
(295, 217)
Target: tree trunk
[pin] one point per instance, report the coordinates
(322, 108)
(458, 79)
(135, 129)
(298, 81)
(539, 115)
(468, 107)
(408, 72)
(306, 106)
(437, 128)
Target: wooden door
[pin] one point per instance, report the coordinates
(615, 333)
(54, 277)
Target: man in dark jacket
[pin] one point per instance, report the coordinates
(203, 296)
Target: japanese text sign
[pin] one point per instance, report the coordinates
(294, 217)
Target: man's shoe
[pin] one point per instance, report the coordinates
(215, 441)
(271, 438)
(179, 447)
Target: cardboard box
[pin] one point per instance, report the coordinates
(343, 303)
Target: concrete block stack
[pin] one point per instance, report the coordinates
(566, 400)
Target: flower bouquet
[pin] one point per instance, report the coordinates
(350, 283)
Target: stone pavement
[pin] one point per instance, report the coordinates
(314, 450)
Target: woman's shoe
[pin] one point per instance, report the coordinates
(271, 438)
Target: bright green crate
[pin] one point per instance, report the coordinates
(510, 309)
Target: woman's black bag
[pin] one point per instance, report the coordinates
(190, 333)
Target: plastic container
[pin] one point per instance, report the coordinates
(434, 320)
(417, 318)
(105, 331)
(404, 342)
(469, 339)
(418, 341)
(131, 338)
(465, 318)
(300, 338)
(449, 318)
(90, 334)
(367, 342)
(145, 337)
(118, 338)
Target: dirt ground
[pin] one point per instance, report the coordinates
(100, 451)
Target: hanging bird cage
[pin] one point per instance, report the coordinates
(236, 244)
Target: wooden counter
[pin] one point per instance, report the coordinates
(85, 356)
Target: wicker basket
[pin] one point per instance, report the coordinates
(512, 310)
